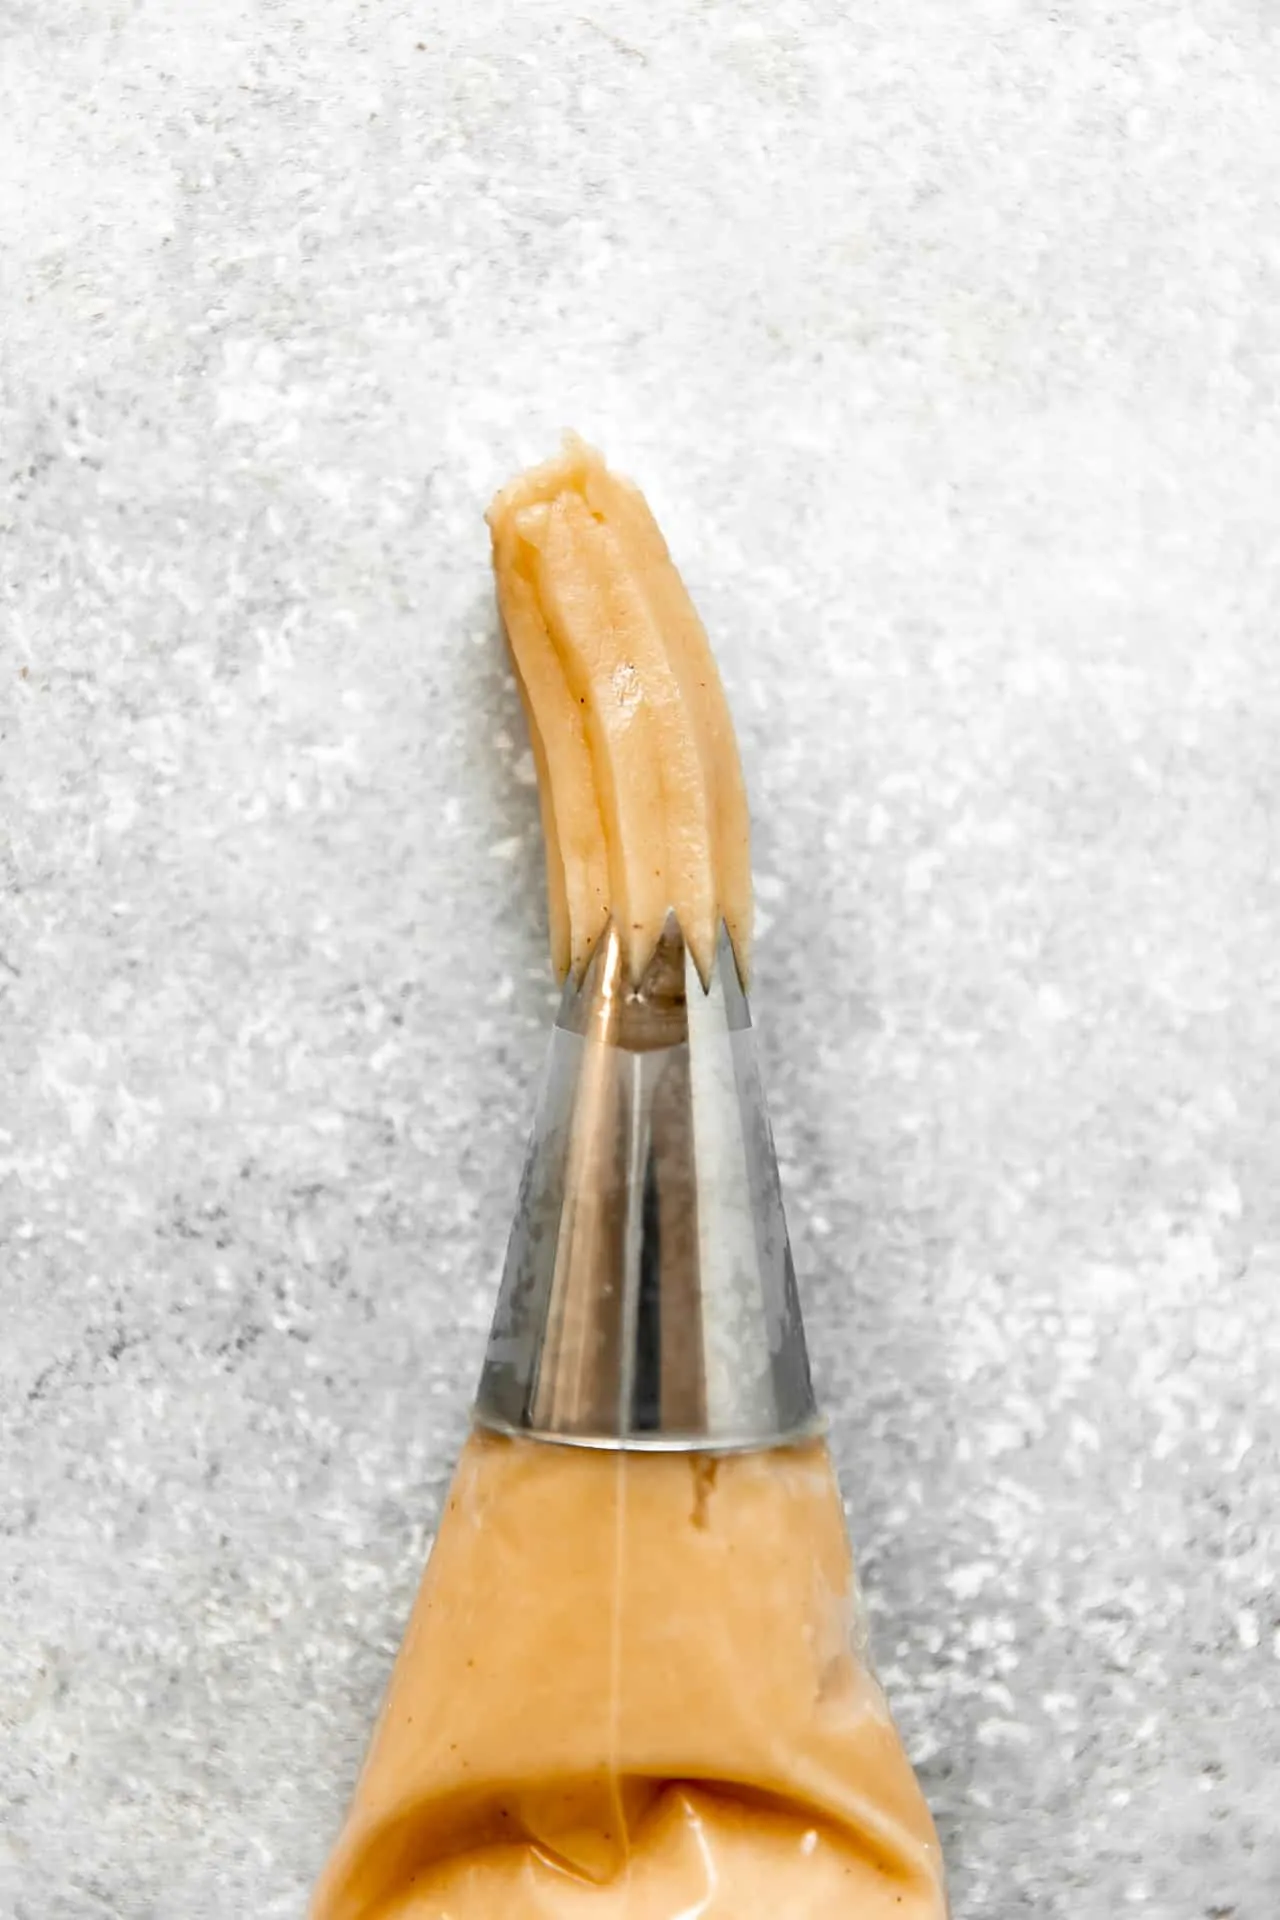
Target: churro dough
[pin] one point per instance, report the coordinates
(643, 804)
(631, 1689)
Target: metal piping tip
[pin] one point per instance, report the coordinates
(649, 1298)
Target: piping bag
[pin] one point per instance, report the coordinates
(635, 1683)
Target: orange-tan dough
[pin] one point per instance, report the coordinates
(631, 1690)
(643, 805)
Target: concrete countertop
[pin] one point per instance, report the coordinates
(946, 342)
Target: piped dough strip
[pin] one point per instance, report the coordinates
(643, 803)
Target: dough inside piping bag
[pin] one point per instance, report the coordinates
(632, 1689)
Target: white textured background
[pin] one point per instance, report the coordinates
(945, 338)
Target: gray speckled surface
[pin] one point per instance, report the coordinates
(946, 342)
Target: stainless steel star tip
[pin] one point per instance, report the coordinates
(649, 1298)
